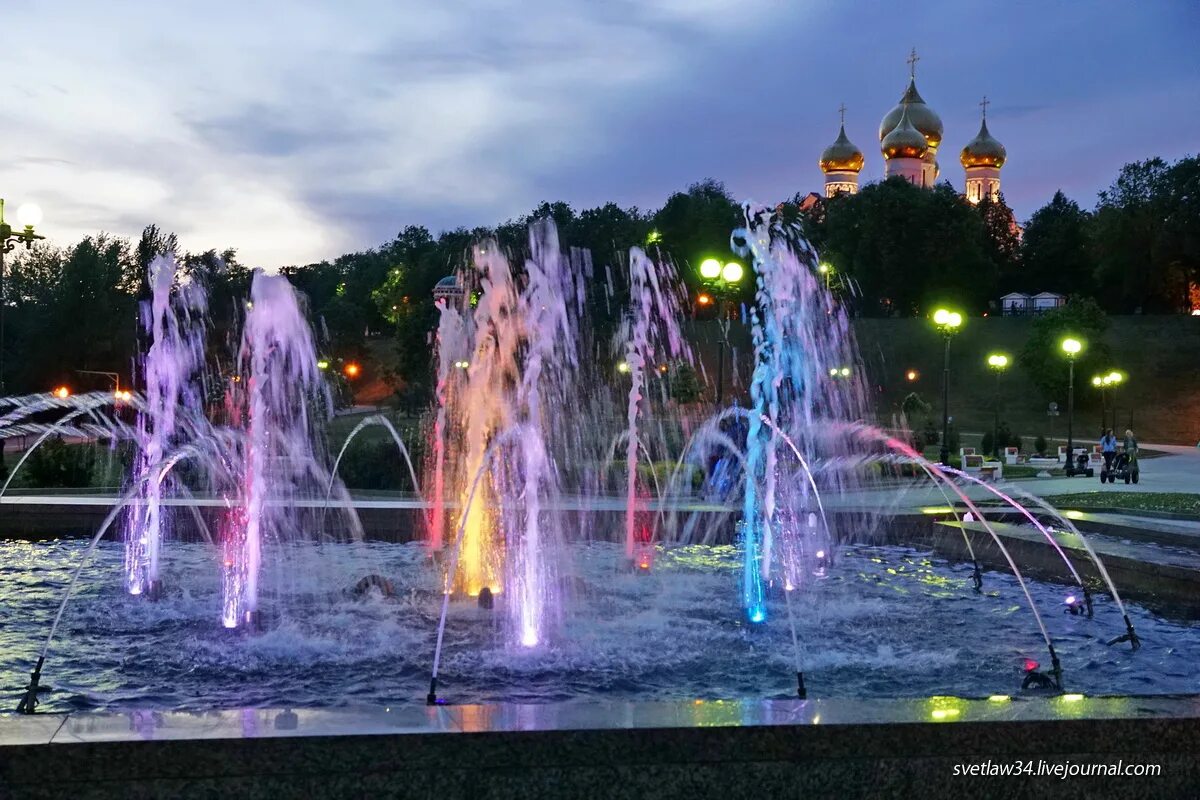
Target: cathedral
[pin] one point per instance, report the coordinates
(909, 137)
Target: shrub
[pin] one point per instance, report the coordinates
(58, 464)
(1039, 444)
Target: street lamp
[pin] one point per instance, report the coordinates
(720, 280)
(1115, 379)
(997, 362)
(1072, 347)
(948, 323)
(826, 270)
(1102, 383)
(29, 216)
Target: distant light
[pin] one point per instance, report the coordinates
(997, 361)
(1115, 376)
(710, 269)
(653, 237)
(822, 268)
(1070, 600)
(529, 638)
(352, 370)
(912, 375)
(623, 367)
(1071, 346)
(758, 614)
(1072, 698)
(948, 320)
(462, 364)
(62, 392)
(833, 371)
(703, 299)
(999, 698)
(940, 316)
(1030, 665)
(944, 713)
(1096, 381)
(845, 372)
(29, 214)
(662, 367)
(323, 364)
(733, 272)
(937, 510)
(1073, 514)
(820, 554)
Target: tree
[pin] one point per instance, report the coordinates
(1055, 253)
(908, 248)
(1001, 237)
(695, 225)
(1146, 241)
(1043, 357)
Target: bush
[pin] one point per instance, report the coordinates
(1004, 436)
(1039, 444)
(375, 464)
(56, 464)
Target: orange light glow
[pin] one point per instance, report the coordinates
(912, 375)
(62, 393)
(704, 299)
(352, 370)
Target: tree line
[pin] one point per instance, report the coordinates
(895, 249)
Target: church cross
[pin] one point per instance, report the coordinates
(842, 111)
(913, 58)
(984, 104)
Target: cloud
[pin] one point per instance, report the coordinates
(299, 130)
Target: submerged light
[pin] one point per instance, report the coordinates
(62, 392)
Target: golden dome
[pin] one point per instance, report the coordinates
(923, 118)
(983, 150)
(904, 140)
(842, 155)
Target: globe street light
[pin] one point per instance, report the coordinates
(29, 216)
(997, 362)
(1115, 379)
(1072, 347)
(827, 271)
(948, 323)
(720, 280)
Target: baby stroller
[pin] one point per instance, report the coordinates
(1123, 467)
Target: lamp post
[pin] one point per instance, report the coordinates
(827, 271)
(1102, 382)
(29, 216)
(720, 281)
(997, 362)
(1072, 348)
(1115, 378)
(948, 323)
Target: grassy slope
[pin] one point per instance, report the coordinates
(1160, 354)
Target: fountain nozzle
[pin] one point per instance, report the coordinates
(29, 702)
(1130, 636)
(801, 691)
(431, 699)
(486, 599)
(977, 576)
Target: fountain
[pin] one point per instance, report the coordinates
(526, 516)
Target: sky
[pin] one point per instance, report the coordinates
(297, 131)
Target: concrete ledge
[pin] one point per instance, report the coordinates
(847, 748)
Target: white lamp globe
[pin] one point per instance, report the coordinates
(29, 214)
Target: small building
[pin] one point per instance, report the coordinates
(1015, 304)
(1019, 304)
(1047, 301)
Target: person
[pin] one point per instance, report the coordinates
(1131, 447)
(1108, 449)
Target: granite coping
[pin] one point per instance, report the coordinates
(260, 723)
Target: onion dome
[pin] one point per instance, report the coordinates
(904, 141)
(983, 150)
(923, 118)
(842, 155)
